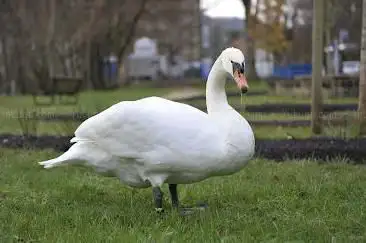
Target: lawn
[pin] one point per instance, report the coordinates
(296, 201)
(89, 101)
(12, 125)
(94, 101)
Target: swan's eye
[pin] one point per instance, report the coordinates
(242, 67)
(238, 67)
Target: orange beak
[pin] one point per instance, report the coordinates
(241, 81)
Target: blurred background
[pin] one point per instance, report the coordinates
(66, 60)
(82, 56)
(111, 43)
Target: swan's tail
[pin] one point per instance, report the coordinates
(76, 152)
(47, 164)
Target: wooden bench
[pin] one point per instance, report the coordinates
(61, 87)
(333, 86)
(288, 87)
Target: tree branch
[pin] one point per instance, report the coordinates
(132, 29)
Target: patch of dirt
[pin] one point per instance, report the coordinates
(321, 148)
(58, 143)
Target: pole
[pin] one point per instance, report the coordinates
(328, 16)
(317, 66)
(362, 81)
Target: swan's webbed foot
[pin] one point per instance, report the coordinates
(184, 210)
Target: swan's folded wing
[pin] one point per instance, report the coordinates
(151, 127)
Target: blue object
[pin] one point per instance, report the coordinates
(110, 69)
(205, 70)
(291, 70)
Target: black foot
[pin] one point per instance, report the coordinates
(184, 210)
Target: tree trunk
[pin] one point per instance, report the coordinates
(362, 87)
(250, 70)
(50, 37)
(131, 31)
(87, 65)
(96, 66)
(328, 36)
(4, 46)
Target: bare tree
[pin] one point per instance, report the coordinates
(116, 32)
(73, 38)
(60, 37)
(174, 25)
(302, 31)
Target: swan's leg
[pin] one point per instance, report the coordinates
(174, 195)
(158, 198)
(175, 202)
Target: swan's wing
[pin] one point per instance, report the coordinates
(153, 128)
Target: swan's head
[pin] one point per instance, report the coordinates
(233, 62)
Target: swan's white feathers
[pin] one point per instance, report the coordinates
(155, 130)
(152, 141)
(234, 55)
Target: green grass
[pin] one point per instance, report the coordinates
(89, 100)
(11, 125)
(95, 101)
(258, 116)
(261, 132)
(280, 132)
(298, 201)
(270, 99)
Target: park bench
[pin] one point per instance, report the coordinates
(333, 85)
(61, 87)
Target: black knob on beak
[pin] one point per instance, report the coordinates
(244, 89)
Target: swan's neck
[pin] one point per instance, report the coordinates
(216, 99)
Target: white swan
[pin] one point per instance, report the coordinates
(152, 141)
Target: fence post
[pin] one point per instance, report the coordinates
(362, 80)
(317, 66)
